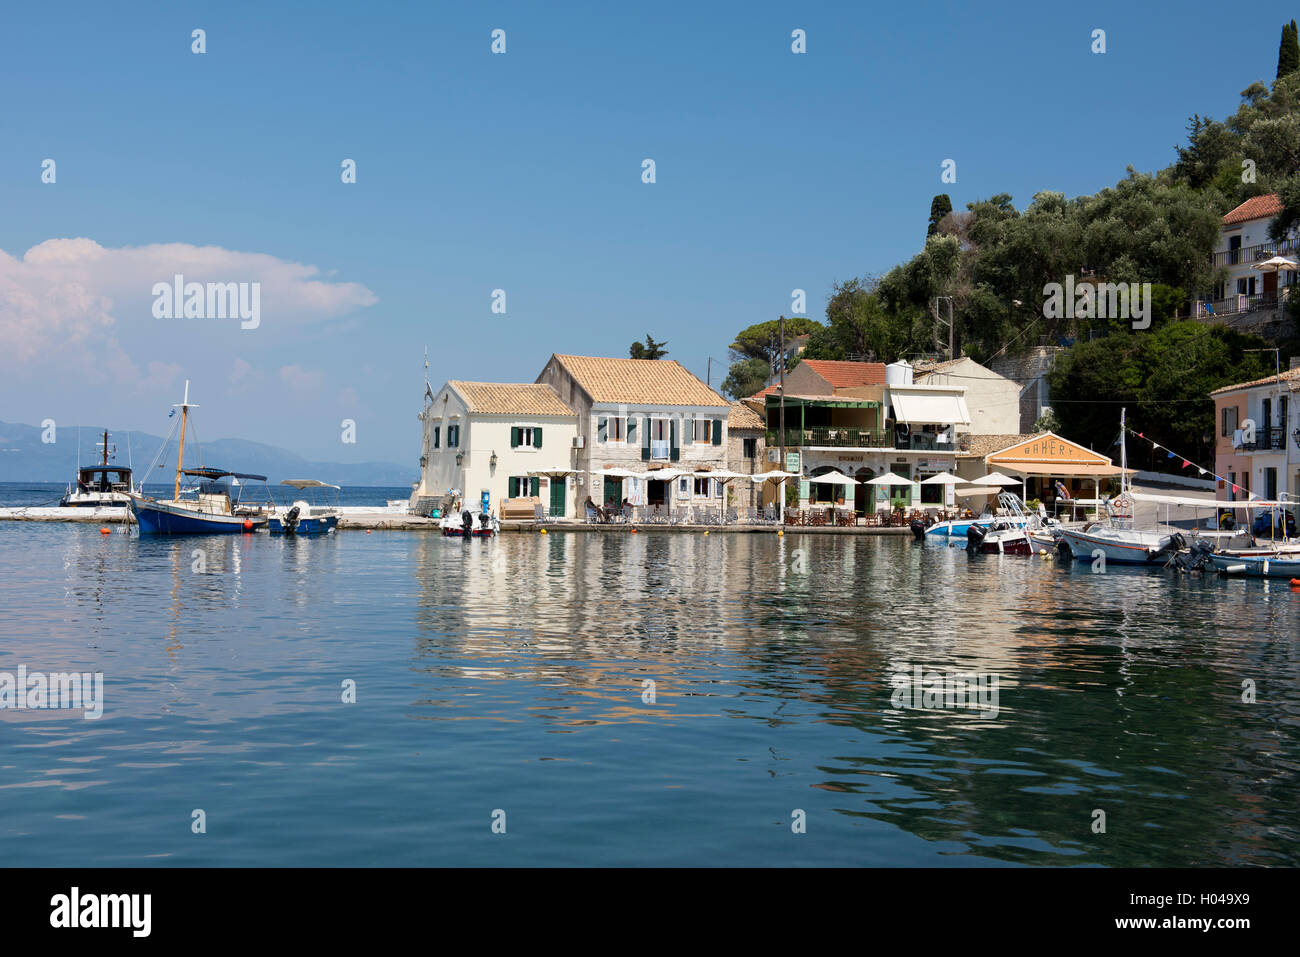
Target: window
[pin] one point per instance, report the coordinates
(1270, 484)
(1266, 414)
(702, 488)
(612, 428)
(702, 431)
(437, 438)
(684, 486)
(1246, 286)
(749, 448)
(1229, 420)
(523, 486)
(525, 436)
(453, 436)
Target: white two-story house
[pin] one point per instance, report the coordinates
(500, 440)
(1243, 244)
(642, 415)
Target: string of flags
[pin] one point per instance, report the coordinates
(1187, 463)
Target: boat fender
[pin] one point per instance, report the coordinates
(1234, 569)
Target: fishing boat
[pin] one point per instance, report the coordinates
(1118, 540)
(1007, 535)
(99, 486)
(213, 510)
(307, 515)
(455, 524)
(1280, 562)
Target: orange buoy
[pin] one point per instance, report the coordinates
(248, 525)
(1295, 583)
(367, 531)
(634, 531)
(105, 531)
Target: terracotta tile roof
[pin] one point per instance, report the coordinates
(511, 398)
(1257, 207)
(1290, 375)
(842, 374)
(982, 445)
(742, 416)
(770, 390)
(639, 381)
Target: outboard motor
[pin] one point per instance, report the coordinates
(467, 523)
(974, 538)
(291, 521)
(918, 529)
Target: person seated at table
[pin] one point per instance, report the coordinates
(601, 515)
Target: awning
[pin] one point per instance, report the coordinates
(938, 408)
(1190, 502)
(1063, 469)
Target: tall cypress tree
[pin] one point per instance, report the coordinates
(940, 207)
(1288, 51)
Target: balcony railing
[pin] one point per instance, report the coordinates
(1266, 440)
(832, 437)
(1249, 255)
(925, 441)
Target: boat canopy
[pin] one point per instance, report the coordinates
(307, 483)
(214, 474)
(1207, 502)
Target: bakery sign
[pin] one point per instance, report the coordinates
(1048, 448)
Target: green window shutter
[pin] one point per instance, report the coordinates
(514, 437)
(513, 491)
(674, 452)
(717, 431)
(436, 430)
(537, 441)
(536, 487)
(602, 428)
(631, 430)
(645, 441)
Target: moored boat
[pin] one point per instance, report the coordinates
(1279, 562)
(305, 516)
(213, 510)
(99, 486)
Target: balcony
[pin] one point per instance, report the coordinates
(1249, 255)
(831, 438)
(925, 441)
(1266, 440)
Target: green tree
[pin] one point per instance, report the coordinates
(940, 207)
(745, 377)
(648, 349)
(1288, 52)
(1164, 376)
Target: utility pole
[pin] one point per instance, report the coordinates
(781, 358)
(937, 300)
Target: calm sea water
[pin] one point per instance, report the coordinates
(508, 676)
(49, 493)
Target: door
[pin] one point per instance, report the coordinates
(613, 492)
(559, 488)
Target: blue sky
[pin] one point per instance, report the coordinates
(522, 172)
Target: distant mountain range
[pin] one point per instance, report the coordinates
(25, 458)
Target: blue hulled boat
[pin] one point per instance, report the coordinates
(303, 517)
(212, 511)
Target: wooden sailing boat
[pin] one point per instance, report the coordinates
(211, 512)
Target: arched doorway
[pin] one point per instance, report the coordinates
(864, 499)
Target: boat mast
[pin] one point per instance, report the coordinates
(180, 454)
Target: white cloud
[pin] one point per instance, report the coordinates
(299, 379)
(85, 308)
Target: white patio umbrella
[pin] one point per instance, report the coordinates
(833, 478)
(1276, 264)
(995, 478)
(889, 478)
(776, 475)
(943, 478)
(557, 472)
